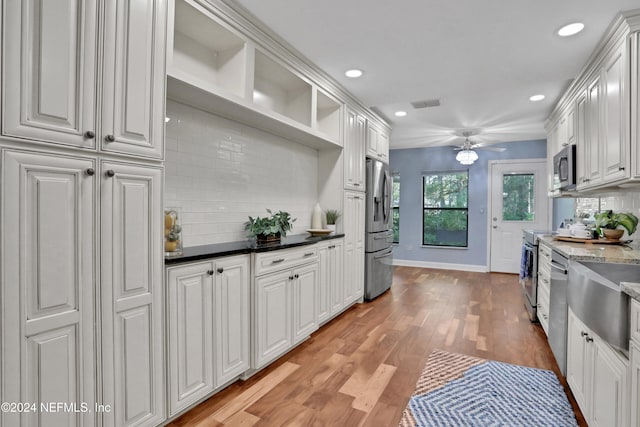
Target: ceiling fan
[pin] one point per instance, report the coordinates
(467, 155)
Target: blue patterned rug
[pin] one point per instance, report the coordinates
(455, 390)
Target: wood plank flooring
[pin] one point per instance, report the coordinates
(361, 368)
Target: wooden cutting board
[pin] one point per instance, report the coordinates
(588, 241)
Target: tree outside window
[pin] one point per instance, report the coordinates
(445, 208)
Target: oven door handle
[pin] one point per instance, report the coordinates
(558, 267)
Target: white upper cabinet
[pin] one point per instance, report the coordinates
(49, 68)
(377, 143)
(605, 101)
(354, 152)
(215, 65)
(615, 116)
(133, 94)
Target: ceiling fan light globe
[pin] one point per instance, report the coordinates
(467, 157)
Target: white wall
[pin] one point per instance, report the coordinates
(219, 171)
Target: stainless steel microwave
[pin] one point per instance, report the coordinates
(564, 169)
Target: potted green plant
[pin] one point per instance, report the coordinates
(331, 216)
(271, 228)
(607, 224)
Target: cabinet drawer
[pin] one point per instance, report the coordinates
(543, 311)
(544, 284)
(267, 262)
(544, 254)
(635, 321)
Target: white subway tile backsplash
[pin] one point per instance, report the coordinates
(218, 172)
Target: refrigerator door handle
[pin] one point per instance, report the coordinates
(385, 254)
(385, 198)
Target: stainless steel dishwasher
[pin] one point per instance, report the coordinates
(558, 309)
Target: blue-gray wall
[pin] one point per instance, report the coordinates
(410, 163)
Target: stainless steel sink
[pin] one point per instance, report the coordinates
(595, 296)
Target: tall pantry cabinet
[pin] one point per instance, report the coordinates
(81, 205)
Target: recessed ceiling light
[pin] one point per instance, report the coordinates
(400, 113)
(536, 98)
(570, 29)
(354, 73)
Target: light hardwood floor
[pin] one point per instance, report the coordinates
(361, 368)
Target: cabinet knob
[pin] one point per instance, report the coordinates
(220, 270)
(210, 272)
(296, 276)
(89, 134)
(589, 339)
(110, 173)
(356, 185)
(583, 334)
(90, 171)
(621, 168)
(290, 277)
(110, 138)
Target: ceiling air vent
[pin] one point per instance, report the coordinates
(426, 104)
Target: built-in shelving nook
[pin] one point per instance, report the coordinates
(279, 90)
(206, 53)
(328, 112)
(213, 66)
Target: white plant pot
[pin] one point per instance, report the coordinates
(331, 227)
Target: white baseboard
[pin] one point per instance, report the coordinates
(441, 265)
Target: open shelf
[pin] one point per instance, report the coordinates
(328, 114)
(207, 53)
(246, 112)
(279, 90)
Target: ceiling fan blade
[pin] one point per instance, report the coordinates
(496, 149)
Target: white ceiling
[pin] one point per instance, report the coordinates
(481, 58)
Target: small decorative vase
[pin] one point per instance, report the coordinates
(612, 234)
(331, 227)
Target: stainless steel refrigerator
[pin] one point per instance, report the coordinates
(378, 228)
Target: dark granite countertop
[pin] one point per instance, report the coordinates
(195, 253)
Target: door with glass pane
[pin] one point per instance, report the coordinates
(518, 202)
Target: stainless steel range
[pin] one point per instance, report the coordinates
(529, 270)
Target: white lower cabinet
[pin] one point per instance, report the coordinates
(634, 404)
(132, 321)
(285, 311)
(597, 375)
(48, 278)
(208, 327)
(354, 217)
(330, 279)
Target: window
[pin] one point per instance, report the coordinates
(395, 208)
(445, 208)
(518, 197)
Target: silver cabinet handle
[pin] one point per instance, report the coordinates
(277, 261)
(309, 254)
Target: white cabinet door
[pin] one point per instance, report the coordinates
(231, 317)
(383, 146)
(272, 325)
(609, 387)
(48, 280)
(131, 292)
(304, 290)
(354, 156)
(190, 334)
(354, 217)
(336, 260)
(594, 168)
(372, 141)
(582, 146)
(578, 362)
(324, 298)
(133, 93)
(49, 84)
(634, 88)
(634, 404)
(614, 116)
